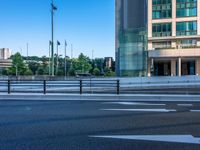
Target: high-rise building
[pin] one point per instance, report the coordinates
(131, 37)
(173, 37)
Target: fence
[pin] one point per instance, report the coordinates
(65, 86)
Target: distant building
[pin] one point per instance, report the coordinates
(5, 54)
(108, 62)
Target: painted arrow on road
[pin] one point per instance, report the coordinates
(187, 139)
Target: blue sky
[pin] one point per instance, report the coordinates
(87, 24)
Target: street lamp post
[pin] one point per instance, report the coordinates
(65, 59)
(16, 70)
(27, 51)
(53, 8)
(57, 61)
(50, 58)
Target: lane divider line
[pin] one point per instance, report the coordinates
(142, 110)
(135, 103)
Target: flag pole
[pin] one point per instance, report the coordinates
(65, 59)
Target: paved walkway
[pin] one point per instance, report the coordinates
(103, 97)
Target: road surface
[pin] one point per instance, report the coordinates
(97, 125)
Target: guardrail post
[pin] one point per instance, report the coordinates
(118, 87)
(9, 87)
(44, 87)
(81, 87)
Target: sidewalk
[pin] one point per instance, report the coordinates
(103, 97)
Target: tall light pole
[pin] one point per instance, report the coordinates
(16, 69)
(27, 49)
(71, 56)
(53, 9)
(65, 58)
(57, 61)
(50, 58)
(72, 51)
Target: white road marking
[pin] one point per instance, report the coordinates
(185, 105)
(194, 110)
(142, 110)
(188, 139)
(134, 103)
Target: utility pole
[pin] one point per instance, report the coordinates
(57, 61)
(65, 59)
(53, 9)
(93, 65)
(21, 51)
(50, 58)
(92, 54)
(27, 47)
(71, 51)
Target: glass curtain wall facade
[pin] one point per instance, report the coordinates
(131, 37)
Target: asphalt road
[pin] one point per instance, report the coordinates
(86, 125)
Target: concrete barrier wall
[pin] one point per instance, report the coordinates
(129, 80)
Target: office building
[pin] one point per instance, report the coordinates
(173, 37)
(173, 31)
(131, 37)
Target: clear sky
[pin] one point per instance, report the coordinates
(87, 24)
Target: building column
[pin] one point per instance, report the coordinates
(197, 65)
(198, 22)
(173, 67)
(150, 66)
(179, 67)
(198, 16)
(149, 18)
(173, 17)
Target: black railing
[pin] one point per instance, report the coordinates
(64, 87)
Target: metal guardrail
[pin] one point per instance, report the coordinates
(66, 86)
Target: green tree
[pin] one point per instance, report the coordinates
(81, 65)
(28, 72)
(33, 66)
(96, 72)
(109, 72)
(72, 72)
(40, 70)
(18, 66)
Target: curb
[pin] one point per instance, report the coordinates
(154, 98)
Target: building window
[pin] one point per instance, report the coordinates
(188, 43)
(186, 28)
(162, 9)
(162, 30)
(162, 45)
(186, 8)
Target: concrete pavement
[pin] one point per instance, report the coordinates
(103, 97)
